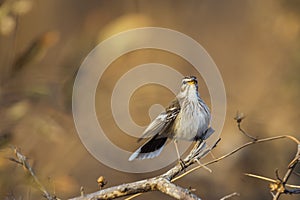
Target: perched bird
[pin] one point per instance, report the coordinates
(187, 118)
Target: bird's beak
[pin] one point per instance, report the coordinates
(191, 82)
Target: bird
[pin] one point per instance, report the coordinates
(186, 118)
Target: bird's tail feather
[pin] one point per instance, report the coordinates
(150, 149)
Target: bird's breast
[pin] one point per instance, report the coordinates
(191, 121)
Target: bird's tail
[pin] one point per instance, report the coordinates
(150, 149)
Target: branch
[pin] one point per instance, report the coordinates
(272, 181)
(22, 160)
(230, 195)
(175, 191)
(238, 149)
(239, 118)
(198, 152)
(280, 186)
(153, 184)
(161, 183)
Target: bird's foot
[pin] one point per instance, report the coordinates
(182, 164)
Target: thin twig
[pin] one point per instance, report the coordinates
(227, 155)
(164, 183)
(239, 118)
(271, 180)
(238, 149)
(22, 160)
(261, 177)
(230, 195)
(287, 175)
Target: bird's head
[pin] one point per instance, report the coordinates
(189, 81)
(189, 86)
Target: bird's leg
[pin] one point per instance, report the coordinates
(178, 155)
(177, 150)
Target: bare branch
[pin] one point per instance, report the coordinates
(199, 151)
(162, 183)
(175, 191)
(287, 175)
(279, 186)
(22, 160)
(238, 149)
(261, 177)
(271, 180)
(239, 118)
(157, 183)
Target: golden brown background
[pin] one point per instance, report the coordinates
(255, 44)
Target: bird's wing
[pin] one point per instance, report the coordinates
(162, 121)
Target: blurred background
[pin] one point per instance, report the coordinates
(255, 44)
